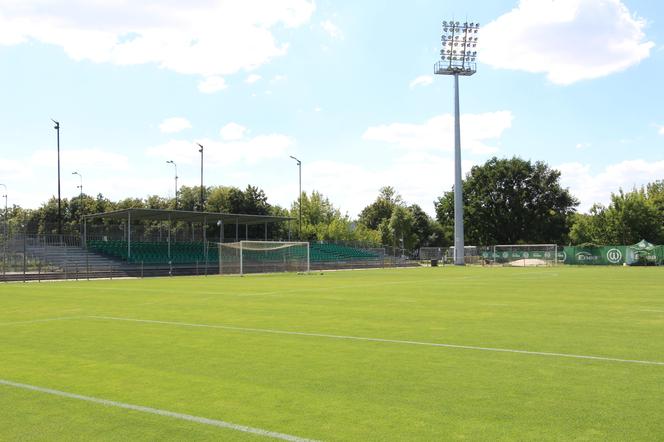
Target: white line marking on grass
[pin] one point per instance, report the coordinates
(35, 321)
(166, 413)
(389, 341)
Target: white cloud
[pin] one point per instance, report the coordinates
(569, 40)
(581, 146)
(75, 159)
(13, 169)
(174, 125)
(332, 30)
(212, 84)
(661, 130)
(278, 78)
(232, 132)
(204, 37)
(437, 133)
(403, 173)
(590, 187)
(227, 151)
(253, 78)
(318, 109)
(422, 80)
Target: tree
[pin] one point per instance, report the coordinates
(255, 201)
(509, 201)
(321, 221)
(427, 230)
(402, 226)
(318, 214)
(629, 218)
(381, 209)
(655, 192)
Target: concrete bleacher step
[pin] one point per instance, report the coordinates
(71, 257)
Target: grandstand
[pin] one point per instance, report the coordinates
(153, 242)
(192, 252)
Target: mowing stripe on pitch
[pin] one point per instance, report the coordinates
(166, 413)
(36, 321)
(389, 341)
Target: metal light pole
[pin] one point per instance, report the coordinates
(80, 187)
(80, 199)
(458, 59)
(299, 203)
(57, 128)
(176, 181)
(202, 195)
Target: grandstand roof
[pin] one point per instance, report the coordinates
(185, 215)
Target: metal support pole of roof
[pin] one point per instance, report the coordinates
(289, 230)
(128, 236)
(85, 233)
(237, 229)
(265, 231)
(221, 231)
(204, 235)
(246, 232)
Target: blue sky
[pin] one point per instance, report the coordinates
(345, 86)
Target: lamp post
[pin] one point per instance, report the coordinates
(458, 59)
(176, 181)
(299, 203)
(79, 187)
(80, 198)
(202, 197)
(57, 129)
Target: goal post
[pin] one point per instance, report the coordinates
(523, 255)
(243, 257)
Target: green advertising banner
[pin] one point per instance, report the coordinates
(605, 255)
(601, 255)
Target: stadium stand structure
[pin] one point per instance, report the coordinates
(193, 252)
(155, 252)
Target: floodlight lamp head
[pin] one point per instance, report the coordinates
(201, 147)
(57, 124)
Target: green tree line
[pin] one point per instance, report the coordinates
(506, 201)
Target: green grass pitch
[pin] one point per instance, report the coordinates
(321, 382)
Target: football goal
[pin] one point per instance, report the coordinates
(523, 255)
(239, 258)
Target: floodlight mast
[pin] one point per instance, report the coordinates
(458, 58)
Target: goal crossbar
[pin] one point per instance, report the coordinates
(263, 257)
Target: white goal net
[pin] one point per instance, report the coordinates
(239, 258)
(522, 255)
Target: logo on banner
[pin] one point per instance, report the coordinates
(586, 256)
(614, 256)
